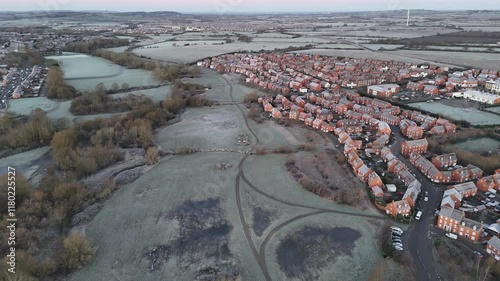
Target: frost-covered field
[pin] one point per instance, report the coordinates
(473, 116)
(377, 47)
(471, 59)
(193, 53)
(137, 218)
(85, 72)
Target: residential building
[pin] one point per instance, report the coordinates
(445, 160)
(467, 189)
(490, 182)
(452, 220)
(384, 90)
(398, 208)
(416, 146)
(493, 247)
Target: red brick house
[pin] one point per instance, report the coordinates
(490, 182)
(276, 114)
(390, 119)
(363, 172)
(374, 180)
(416, 146)
(474, 172)
(467, 189)
(431, 90)
(317, 123)
(445, 160)
(460, 175)
(454, 221)
(493, 247)
(414, 132)
(326, 127)
(398, 208)
(377, 191)
(309, 121)
(451, 198)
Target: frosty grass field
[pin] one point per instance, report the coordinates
(119, 228)
(473, 116)
(85, 72)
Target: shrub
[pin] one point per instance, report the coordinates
(23, 189)
(151, 156)
(340, 158)
(306, 147)
(260, 150)
(251, 97)
(255, 114)
(185, 150)
(77, 251)
(283, 150)
(107, 187)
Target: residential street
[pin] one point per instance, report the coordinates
(417, 239)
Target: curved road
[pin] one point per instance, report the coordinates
(259, 254)
(417, 237)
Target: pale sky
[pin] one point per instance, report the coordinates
(244, 6)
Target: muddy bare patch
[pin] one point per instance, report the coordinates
(262, 219)
(305, 253)
(202, 237)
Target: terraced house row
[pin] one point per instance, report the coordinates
(341, 114)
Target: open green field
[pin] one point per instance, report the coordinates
(192, 53)
(209, 127)
(473, 116)
(495, 109)
(54, 109)
(470, 59)
(184, 213)
(480, 144)
(85, 72)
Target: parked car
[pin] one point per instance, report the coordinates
(426, 193)
(426, 199)
(478, 254)
(398, 248)
(418, 215)
(451, 235)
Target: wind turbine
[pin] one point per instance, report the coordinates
(408, 18)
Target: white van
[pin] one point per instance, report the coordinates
(451, 235)
(419, 214)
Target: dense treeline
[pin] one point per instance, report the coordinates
(99, 102)
(96, 44)
(161, 71)
(45, 248)
(20, 134)
(56, 86)
(28, 57)
(43, 245)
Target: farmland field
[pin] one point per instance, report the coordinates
(363, 54)
(473, 116)
(85, 72)
(480, 144)
(477, 60)
(377, 47)
(193, 53)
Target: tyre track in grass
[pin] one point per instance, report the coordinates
(259, 254)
